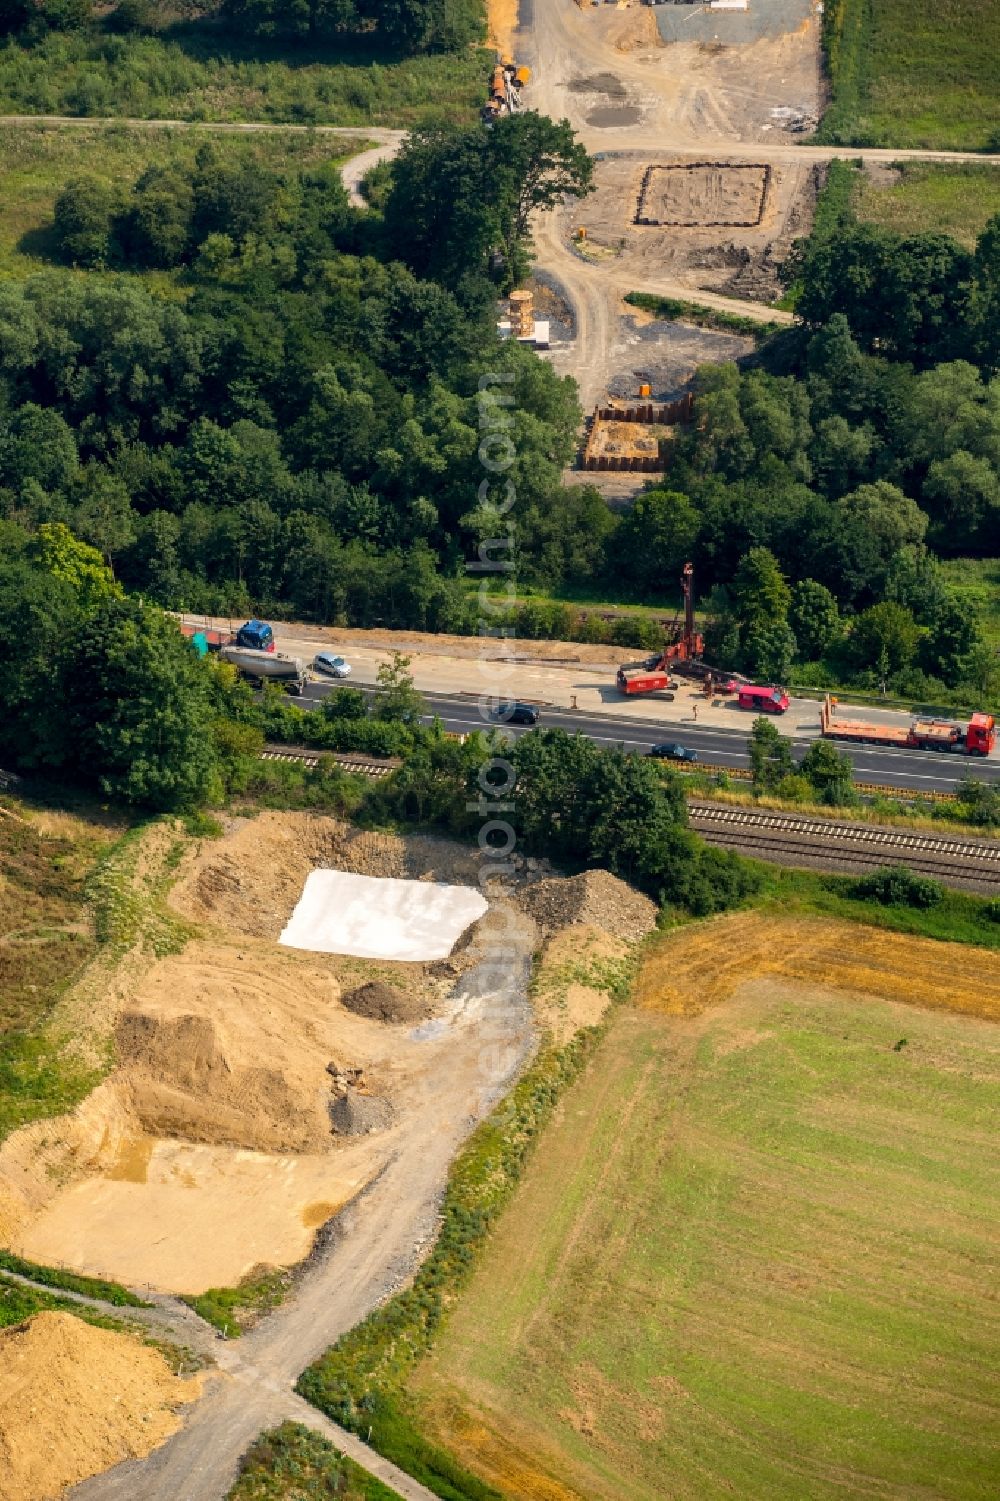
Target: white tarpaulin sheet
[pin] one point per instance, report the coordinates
(370, 917)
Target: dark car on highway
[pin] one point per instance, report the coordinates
(513, 712)
(669, 750)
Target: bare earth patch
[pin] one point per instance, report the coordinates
(75, 1400)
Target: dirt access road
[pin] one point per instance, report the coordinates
(636, 103)
(378, 1242)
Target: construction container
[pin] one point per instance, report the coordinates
(645, 390)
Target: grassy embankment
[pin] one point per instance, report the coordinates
(677, 310)
(916, 73)
(37, 162)
(76, 895)
(930, 198)
(291, 1463)
(18, 1303)
(234, 1310)
(47, 937)
(198, 72)
(754, 1252)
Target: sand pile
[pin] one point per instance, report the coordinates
(251, 880)
(384, 1003)
(596, 898)
(215, 1049)
(75, 1400)
(183, 1084)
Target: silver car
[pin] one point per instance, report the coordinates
(331, 666)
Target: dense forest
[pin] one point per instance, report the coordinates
(259, 397)
(405, 26)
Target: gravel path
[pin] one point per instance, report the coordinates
(377, 1244)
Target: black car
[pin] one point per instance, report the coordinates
(512, 712)
(669, 750)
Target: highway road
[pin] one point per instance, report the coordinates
(916, 771)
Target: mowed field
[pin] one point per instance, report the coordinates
(914, 73)
(755, 1254)
(931, 198)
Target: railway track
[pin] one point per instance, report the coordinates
(366, 766)
(784, 839)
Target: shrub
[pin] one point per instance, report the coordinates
(897, 886)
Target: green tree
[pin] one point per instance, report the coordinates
(759, 592)
(137, 708)
(56, 551)
(635, 810)
(397, 699)
(814, 619)
(963, 496)
(885, 638)
(38, 444)
(552, 807)
(950, 638)
(40, 612)
(157, 228)
(830, 773)
(769, 649)
(84, 218)
(103, 513)
(654, 540)
(770, 755)
(459, 194)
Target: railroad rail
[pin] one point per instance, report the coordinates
(365, 766)
(787, 839)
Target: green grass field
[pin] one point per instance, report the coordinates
(37, 161)
(931, 198)
(293, 1464)
(913, 73)
(751, 1257)
(200, 73)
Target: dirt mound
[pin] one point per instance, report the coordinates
(354, 1114)
(251, 880)
(573, 978)
(384, 1003)
(75, 1400)
(596, 898)
(185, 1084)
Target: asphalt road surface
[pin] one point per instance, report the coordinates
(916, 771)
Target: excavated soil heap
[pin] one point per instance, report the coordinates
(384, 1003)
(595, 898)
(183, 1084)
(251, 881)
(75, 1400)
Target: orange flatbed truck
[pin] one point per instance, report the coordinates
(977, 737)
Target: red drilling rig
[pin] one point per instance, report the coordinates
(683, 650)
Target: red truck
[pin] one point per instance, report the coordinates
(977, 737)
(644, 678)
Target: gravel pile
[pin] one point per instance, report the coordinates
(594, 897)
(354, 1114)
